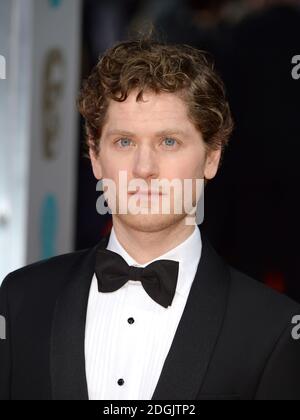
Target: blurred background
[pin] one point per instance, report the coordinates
(47, 189)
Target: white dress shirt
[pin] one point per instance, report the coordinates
(128, 335)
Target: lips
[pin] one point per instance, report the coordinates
(145, 193)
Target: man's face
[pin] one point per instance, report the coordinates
(153, 139)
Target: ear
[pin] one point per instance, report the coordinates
(212, 163)
(96, 164)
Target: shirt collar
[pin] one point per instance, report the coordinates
(187, 253)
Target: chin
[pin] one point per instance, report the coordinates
(151, 222)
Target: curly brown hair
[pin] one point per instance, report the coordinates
(147, 64)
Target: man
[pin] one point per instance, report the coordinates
(151, 312)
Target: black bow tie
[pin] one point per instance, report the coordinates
(159, 279)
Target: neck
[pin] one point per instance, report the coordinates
(146, 246)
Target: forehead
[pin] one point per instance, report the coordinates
(153, 110)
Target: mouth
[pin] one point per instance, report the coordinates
(146, 193)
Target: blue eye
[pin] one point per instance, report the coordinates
(170, 142)
(123, 143)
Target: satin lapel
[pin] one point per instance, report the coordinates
(192, 348)
(67, 355)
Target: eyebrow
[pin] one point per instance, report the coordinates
(157, 134)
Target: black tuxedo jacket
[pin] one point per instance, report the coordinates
(233, 341)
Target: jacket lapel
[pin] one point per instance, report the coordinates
(184, 369)
(67, 353)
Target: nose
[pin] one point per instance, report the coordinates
(145, 164)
